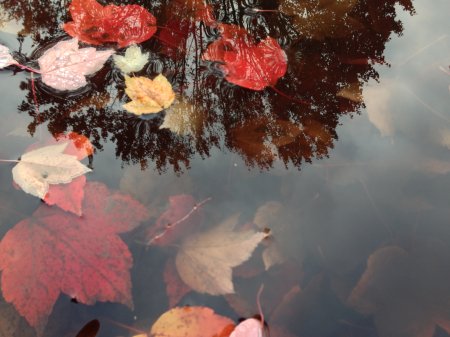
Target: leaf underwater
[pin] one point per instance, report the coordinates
(133, 61)
(251, 327)
(47, 165)
(5, 57)
(96, 24)
(64, 66)
(205, 260)
(54, 252)
(148, 96)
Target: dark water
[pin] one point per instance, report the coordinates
(358, 175)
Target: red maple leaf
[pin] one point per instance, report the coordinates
(175, 287)
(56, 252)
(96, 24)
(180, 218)
(245, 62)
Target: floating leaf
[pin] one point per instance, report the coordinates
(191, 322)
(247, 63)
(96, 24)
(133, 61)
(183, 118)
(56, 252)
(46, 165)
(175, 287)
(64, 66)
(205, 260)
(90, 329)
(250, 327)
(148, 96)
(5, 57)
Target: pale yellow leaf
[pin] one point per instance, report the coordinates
(205, 260)
(148, 96)
(133, 61)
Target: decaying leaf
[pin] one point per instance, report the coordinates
(64, 66)
(318, 19)
(133, 61)
(46, 165)
(96, 24)
(183, 118)
(205, 260)
(191, 322)
(245, 62)
(353, 92)
(5, 57)
(54, 252)
(148, 96)
(175, 287)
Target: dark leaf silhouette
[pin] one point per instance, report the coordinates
(90, 329)
(55, 252)
(247, 63)
(96, 24)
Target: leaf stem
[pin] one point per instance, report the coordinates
(9, 161)
(279, 92)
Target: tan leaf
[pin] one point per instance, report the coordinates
(183, 119)
(205, 260)
(148, 96)
(46, 165)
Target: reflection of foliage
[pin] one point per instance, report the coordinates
(324, 57)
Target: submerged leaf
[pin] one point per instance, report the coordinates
(205, 260)
(64, 66)
(46, 165)
(133, 61)
(96, 24)
(90, 329)
(251, 327)
(191, 322)
(148, 96)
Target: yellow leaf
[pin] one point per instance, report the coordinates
(148, 96)
(191, 322)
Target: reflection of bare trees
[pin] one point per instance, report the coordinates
(330, 51)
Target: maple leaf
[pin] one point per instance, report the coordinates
(191, 322)
(205, 260)
(318, 19)
(46, 165)
(247, 63)
(175, 287)
(5, 57)
(64, 66)
(148, 96)
(133, 61)
(250, 327)
(183, 118)
(96, 24)
(56, 252)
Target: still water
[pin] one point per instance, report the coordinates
(346, 161)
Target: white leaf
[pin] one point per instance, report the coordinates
(46, 165)
(64, 66)
(133, 61)
(205, 260)
(5, 57)
(251, 327)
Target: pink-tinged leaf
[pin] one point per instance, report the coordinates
(64, 66)
(178, 220)
(247, 63)
(68, 197)
(56, 252)
(96, 24)
(249, 328)
(5, 57)
(175, 287)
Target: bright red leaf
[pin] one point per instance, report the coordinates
(180, 218)
(96, 24)
(245, 62)
(56, 252)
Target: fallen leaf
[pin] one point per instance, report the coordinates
(96, 24)
(191, 322)
(133, 61)
(318, 19)
(183, 119)
(175, 287)
(244, 62)
(64, 66)
(148, 96)
(5, 57)
(90, 329)
(180, 218)
(352, 92)
(377, 100)
(205, 260)
(250, 327)
(46, 165)
(56, 252)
